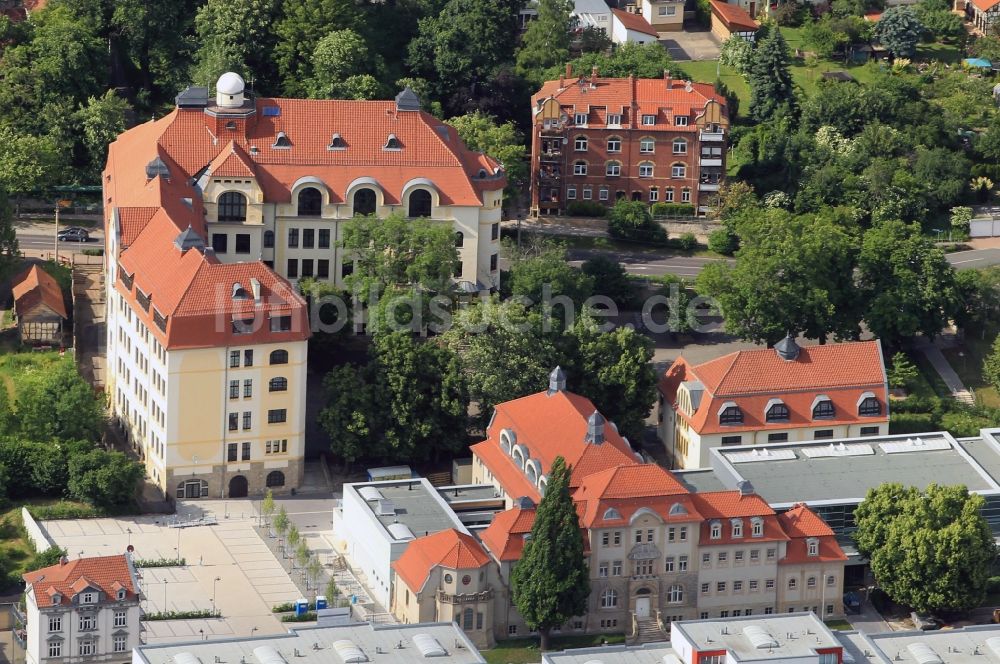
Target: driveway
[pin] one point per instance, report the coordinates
(692, 44)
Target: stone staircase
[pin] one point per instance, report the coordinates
(647, 631)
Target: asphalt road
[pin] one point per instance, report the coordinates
(974, 258)
(46, 242)
(648, 264)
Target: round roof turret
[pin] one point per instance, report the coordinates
(230, 83)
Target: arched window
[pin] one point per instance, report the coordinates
(279, 357)
(614, 143)
(543, 483)
(756, 527)
(278, 384)
(531, 472)
(869, 406)
(678, 170)
(715, 530)
(579, 167)
(647, 145)
(609, 599)
(232, 206)
(310, 202)
(680, 146)
(792, 583)
(676, 594)
(812, 545)
(269, 239)
(611, 514)
(731, 415)
(580, 143)
(469, 616)
(459, 239)
(737, 525)
(823, 410)
(275, 478)
(420, 203)
(364, 201)
(518, 457)
(646, 169)
(613, 169)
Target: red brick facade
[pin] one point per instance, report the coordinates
(600, 139)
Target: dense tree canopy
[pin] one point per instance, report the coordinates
(899, 30)
(771, 90)
(929, 550)
(546, 42)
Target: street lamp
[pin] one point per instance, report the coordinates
(178, 543)
(129, 531)
(164, 596)
(252, 630)
(216, 580)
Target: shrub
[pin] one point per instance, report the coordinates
(993, 584)
(789, 14)
(687, 242)
(585, 209)
(672, 210)
(160, 562)
(64, 510)
(913, 422)
(185, 615)
(288, 607)
(630, 220)
(92, 252)
(918, 404)
(723, 242)
(963, 424)
(308, 616)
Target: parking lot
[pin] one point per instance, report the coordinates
(692, 44)
(250, 579)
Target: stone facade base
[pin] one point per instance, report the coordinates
(235, 480)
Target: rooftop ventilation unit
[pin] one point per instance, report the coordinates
(186, 658)
(760, 639)
(385, 507)
(761, 454)
(838, 450)
(924, 654)
(429, 646)
(400, 531)
(993, 643)
(914, 445)
(348, 652)
(370, 493)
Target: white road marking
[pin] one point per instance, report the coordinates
(970, 260)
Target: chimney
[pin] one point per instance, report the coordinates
(63, 561)
(569, 70)
(557, 381)
(255, 287)
(666, 77)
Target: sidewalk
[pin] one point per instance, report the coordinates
(940, 363)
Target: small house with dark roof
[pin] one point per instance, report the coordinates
(40, 307)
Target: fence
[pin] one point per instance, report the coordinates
(984, 228)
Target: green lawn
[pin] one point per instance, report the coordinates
(705, 71)
(948, 53)
(839, 624)
(967, 362)
(929, 383)
(14, 363)
(525, 651)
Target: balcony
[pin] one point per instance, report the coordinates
(468, 598)
(550, 155)
(711, 161)
(708, 186)
(549, 174)
(712, 136)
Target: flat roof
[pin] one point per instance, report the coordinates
(967, 645)
(649, 653)
(414, 503)
(590, 7)
(468, 493)
(300, 646)
(759, 637)
(842, 471)
(701, 480)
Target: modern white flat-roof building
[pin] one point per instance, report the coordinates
(359, 642)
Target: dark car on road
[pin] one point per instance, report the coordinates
(73, 235)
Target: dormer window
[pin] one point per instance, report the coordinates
(232, 206)
(680, 120)
(392, 143)
(121, 594)
(612, 514)
(868, 405)
(737, 525)
(281, 142)
(231, 125)
(614, 119)
(57, 598)
(677, 509)
(239, 293)
(88, 598)
(715, 530)
(777, 411)
(337, 143)
(756, 527)
(730, 413)
(648, 120)
(812, 546)
(823, 409)
(580, 119)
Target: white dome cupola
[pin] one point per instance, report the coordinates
(229, 90)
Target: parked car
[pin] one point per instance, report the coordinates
(73, 235)
(925, 621)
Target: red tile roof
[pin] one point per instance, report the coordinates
(598, 96)
(549, 426)
(726, 505)
(504, 537)
(105, 573)
(447, 548)
(36, 287)
(634, 22)
(629, 489)
(750, 379)
(985, 5)
(802, 524)
(733, 16)
(192, 289)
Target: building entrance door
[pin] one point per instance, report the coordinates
(642, 607)
(192, 489)
(238, 487)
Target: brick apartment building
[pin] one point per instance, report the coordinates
(603, 139)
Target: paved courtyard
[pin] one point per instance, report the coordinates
(692, 44)
(251, 580)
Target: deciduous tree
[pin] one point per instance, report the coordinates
(104, 479)
(546, 42)
(550, 583)
(343, 67)
(929, 550)
(238, 36)
(302, 26)
(502, 141)
(58, 404)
